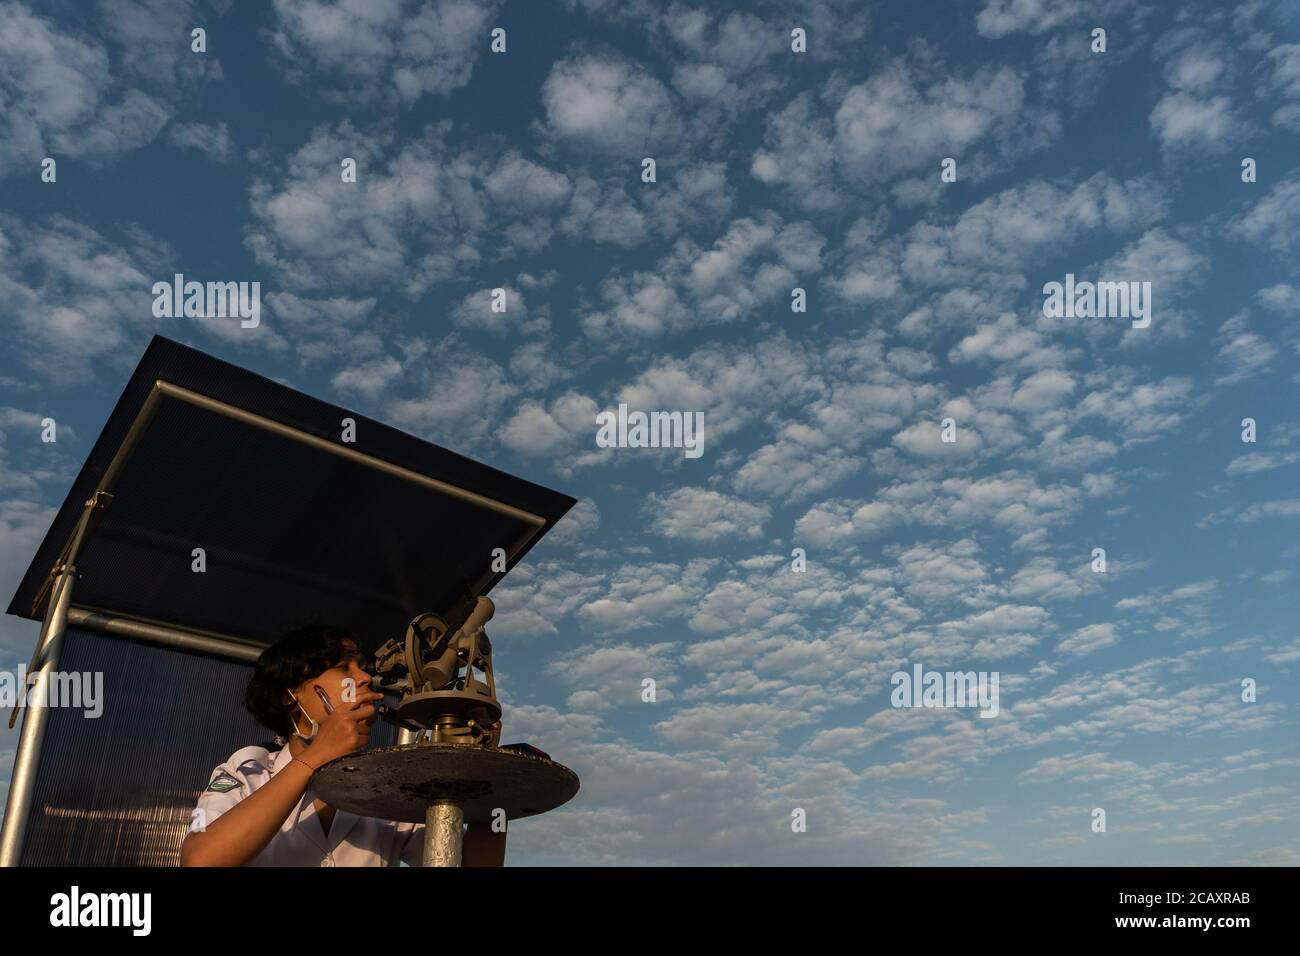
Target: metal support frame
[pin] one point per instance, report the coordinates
(444, 834)
(35, 719)
(56, 596)
(211, 643)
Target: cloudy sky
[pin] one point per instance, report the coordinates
(774, 170)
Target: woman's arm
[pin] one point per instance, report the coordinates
(242, 832)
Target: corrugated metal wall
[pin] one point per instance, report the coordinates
(117, 790)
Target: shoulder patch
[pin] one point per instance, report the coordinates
(223, 783)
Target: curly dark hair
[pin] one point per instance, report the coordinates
(301, 653)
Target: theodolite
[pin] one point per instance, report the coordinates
(435, 668)
(446, 770)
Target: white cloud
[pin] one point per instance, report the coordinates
(926, 440)
(991, 244)
(1088, 639)
(608, 212)
(1081, 768)
(539, 366)
(885, 126)
(537, 595)
(645, 596)
(459, 403)
(942, 573)
(1181, 120)
(1281, 297)
(999, 18)
(211, 139)
(520, 183)
(1243, 354)
(1268, 510)
(1195, 69)
(1287, 654)
(80, 302)
(70, 94)
(419, 213)
(611, 105)
(1139, 411)
(1010, 500)
(1042, 579)
(1285, 85)
(560, 429)
(1007, 341)
(702, 515)
(369, 378)
(478, 310)
(579, 523)
(757, 261)
(608, 675)
(902, 117)
(369, 49)
(1255, 462)
(1274, 220)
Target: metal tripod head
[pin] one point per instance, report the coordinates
(436, 669)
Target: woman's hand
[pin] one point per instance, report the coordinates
(493, 736)
(345, 731)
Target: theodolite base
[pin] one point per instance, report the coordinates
(401, 783)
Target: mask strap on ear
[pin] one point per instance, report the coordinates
(315, 727)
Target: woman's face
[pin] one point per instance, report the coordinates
(346, 681)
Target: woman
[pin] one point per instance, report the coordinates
(259, 808)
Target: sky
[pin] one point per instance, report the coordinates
(828, 536)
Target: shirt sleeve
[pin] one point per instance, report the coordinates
(413, 850)
(229, 783)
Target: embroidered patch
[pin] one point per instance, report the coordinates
(223, 782)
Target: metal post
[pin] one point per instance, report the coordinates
(211, 643)
(35, 720)
(444, 834)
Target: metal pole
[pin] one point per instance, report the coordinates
(35, 720)
(212, 643)
(444, 833)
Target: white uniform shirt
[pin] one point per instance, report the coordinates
(352, 840)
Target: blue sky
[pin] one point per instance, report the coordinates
(775, 170)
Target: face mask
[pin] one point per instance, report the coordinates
(314, 726)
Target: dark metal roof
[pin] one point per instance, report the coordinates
(294, 531)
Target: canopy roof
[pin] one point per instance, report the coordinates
(296, 525)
